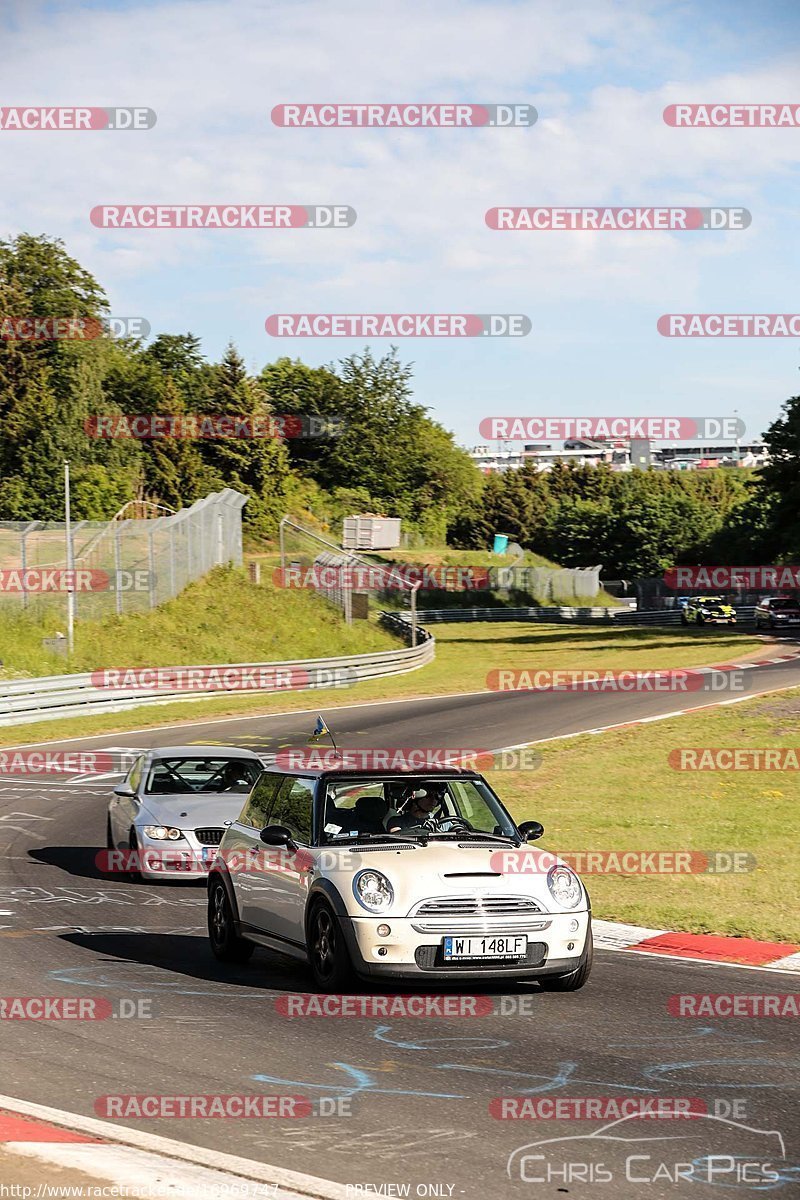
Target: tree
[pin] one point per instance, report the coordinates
(777, 490)
(49, 388)
(257, 466)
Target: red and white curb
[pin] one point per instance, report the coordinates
(710, 948)
(146, 1163)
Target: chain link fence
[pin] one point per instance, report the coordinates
(344, 578)
(127, 565)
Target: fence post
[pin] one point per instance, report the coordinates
(117, 569)
(23, 557)
(172, 587)
(152, 567)
(414, 591)
(282, 541)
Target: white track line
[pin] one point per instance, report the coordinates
(171, 1151)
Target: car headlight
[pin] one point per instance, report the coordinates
(163, 833)
(564, 885)
(373, 891)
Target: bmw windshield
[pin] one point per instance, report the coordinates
(183, 776)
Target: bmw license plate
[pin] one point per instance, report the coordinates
(208, 854)
(485, 947)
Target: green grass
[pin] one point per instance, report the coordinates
(617, 791)
(222, 618)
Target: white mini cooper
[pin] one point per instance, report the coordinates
(397, 875)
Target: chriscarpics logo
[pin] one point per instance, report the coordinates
(635, 1149)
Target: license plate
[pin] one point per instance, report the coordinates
(485, 947)
(208, 853)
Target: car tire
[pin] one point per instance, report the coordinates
(327, 950)
(699, 620)
(134, 874)
(226, 945)
(575, 979)
(109, 835)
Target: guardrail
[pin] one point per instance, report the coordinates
(577, 616)
(26, 701)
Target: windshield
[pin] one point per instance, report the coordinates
(183, 776)
(784, 603)
(413, 808)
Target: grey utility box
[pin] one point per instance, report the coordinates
(371, 533)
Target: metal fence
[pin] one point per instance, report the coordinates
(340, 575)
(30, 700)
(126, 565)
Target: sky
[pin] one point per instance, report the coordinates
(599, 73)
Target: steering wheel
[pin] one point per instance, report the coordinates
(448, 824)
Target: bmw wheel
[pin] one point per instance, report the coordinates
(327, 952)
(134, 874)
(226, 945)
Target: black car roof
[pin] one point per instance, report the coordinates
(365, 773)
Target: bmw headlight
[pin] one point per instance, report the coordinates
(162, 833)
(565, 887)
(373, 891)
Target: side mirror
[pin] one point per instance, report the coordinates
(531, 830)
(122, 789)
(277, 835)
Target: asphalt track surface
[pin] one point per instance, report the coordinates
(418, 1089)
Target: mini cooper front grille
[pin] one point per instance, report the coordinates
(477, 906)
(209, 837)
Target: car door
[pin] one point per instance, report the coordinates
(123, 810)
(242, 845)
(279, 881)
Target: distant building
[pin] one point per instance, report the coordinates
(619, 455)
(689, 456)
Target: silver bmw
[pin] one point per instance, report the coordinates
(168, 816)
